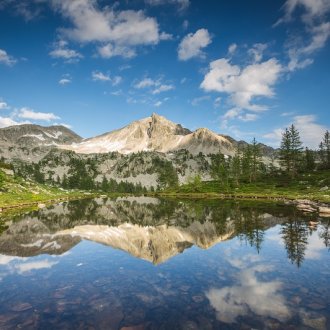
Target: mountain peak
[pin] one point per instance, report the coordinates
(154, 133)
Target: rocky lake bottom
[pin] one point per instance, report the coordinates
(147, 263)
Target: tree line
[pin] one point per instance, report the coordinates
(248, 165)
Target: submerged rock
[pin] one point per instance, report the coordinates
(21, 307)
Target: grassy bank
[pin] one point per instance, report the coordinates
(311, 186)
(17, 192)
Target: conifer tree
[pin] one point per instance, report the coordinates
(104, 184)
(247, 163)
(235, 168)
(291, 150)
(255, 159)
(309, 160)
(325, 151)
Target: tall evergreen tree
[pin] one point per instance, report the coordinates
(325, 151)
(104, 184)
(291, 150)
(247, 163)
(309, 160)
(235, 168)
(219, 168)
(255, 159)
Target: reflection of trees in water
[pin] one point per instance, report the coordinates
(324, 233)
(247, 220)
(250, 226)
(3, 227)
(295, 234)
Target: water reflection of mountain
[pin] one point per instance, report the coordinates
(148, 228)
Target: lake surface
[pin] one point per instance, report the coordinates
(145, 263)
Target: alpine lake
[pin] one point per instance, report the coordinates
(136, 263)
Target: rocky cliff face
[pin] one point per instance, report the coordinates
(32, 142)
(154, 133)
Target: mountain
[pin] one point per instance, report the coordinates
(32, 142)
(151, 152)
(155, 133)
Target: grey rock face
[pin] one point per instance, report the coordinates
(31, 142)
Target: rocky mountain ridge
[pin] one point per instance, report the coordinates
(32, 142)
(155, 133)
(151, 152)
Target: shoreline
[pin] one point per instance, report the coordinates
(5, 208)
(307, 205)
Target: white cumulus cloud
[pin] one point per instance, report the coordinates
(242, 85)
(7, 121)
(120, 32)
(193, 43)
(27, 113)
(263, 298)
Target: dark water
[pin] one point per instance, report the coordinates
(143, 263)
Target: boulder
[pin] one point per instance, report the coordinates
(306, 208)
(324, 211)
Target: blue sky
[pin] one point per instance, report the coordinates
(243, 68)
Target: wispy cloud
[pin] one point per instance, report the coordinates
(64, 81)
(4, 105)
(100, 76)
(182, 4)
(61, 50)
(232, 49)
(154, 86)
(315, 32)
(197, 100)
(6, 59)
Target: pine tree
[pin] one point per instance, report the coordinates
(325, 151)
(64, 181)
(247, 163)
(309, 160)
(255, 159)
(235, 168)
(104, 184)
(291, 151)
(219, 168)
